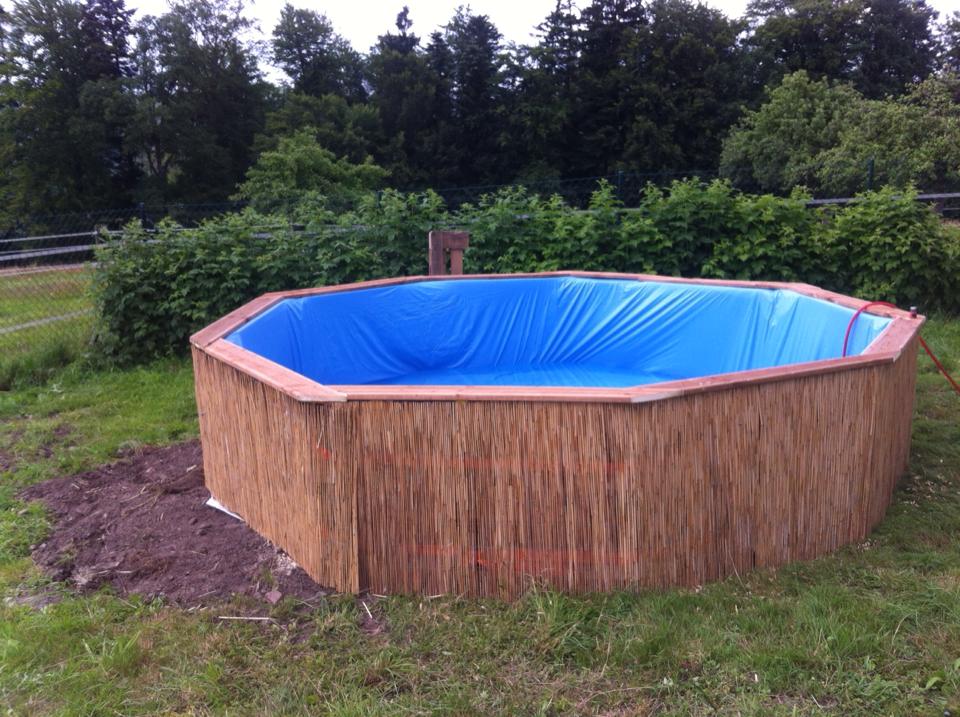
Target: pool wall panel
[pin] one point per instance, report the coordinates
(282, 464)
(481, 497)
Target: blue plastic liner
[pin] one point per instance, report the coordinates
(549, 331)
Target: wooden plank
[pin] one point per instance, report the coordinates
(895, 337)
(436, 258)
(235, 319)
(362, 392)
(279, 377)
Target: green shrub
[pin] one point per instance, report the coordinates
(507, 231)
(772, 238)
(299, 169)
(514, 231)
(155, 289)
(897, 249)
(604, 238)
(693, 217)
(385, 236)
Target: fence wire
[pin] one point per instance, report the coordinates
(46, 306)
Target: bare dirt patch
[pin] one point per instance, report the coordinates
(59, 438)
(142, 526)
(8, 460)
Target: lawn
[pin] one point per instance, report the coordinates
(46, 318)
(43, 293)
(871, 630)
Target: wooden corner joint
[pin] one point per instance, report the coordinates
(298, 387)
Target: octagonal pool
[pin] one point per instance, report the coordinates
(470, 434)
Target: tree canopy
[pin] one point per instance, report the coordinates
(300, 170)
(827, 137)
(104, 108)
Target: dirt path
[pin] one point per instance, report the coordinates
(142, 525)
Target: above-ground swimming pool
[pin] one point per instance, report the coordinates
(590, 431)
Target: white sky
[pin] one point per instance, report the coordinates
(361, 21)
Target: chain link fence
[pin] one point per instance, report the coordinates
(46, 271)
(46, 304)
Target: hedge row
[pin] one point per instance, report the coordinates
(155, 288)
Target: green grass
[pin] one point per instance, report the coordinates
(871, 630)
(41, 293)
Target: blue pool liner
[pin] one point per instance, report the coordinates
(549, 331)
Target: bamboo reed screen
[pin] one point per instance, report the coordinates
(447, 490)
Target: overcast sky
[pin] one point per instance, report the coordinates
(361, 21)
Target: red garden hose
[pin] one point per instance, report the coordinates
(936, 361)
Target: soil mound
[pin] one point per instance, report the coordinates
(142, 525)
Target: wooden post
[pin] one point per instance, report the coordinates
(435, 253)
(439, 244)
(456, 243)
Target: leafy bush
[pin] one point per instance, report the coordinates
(897, 249)
(910, 140)
(155, 289)
(507, 230)
(385, 235)
(771, 238)
(778, 145)
(604, 238)
(824, 136)
(514, 231)
(692, 217)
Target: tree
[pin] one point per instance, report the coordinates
(299, 170)
(95, 111)
(777, 146)
(105, 28)
(911, 140)
(60, 140)
(605, 94)
(625, 86)
(895, 46)
(200, 100)
(350, 130)
(816, 36)
(543, 76)
(314, 57)
(824, 135)
(441, 151)
(403, 92)
(689, 84)
(443, 104)
(880, 45)
(950, 44)
(474, 86)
